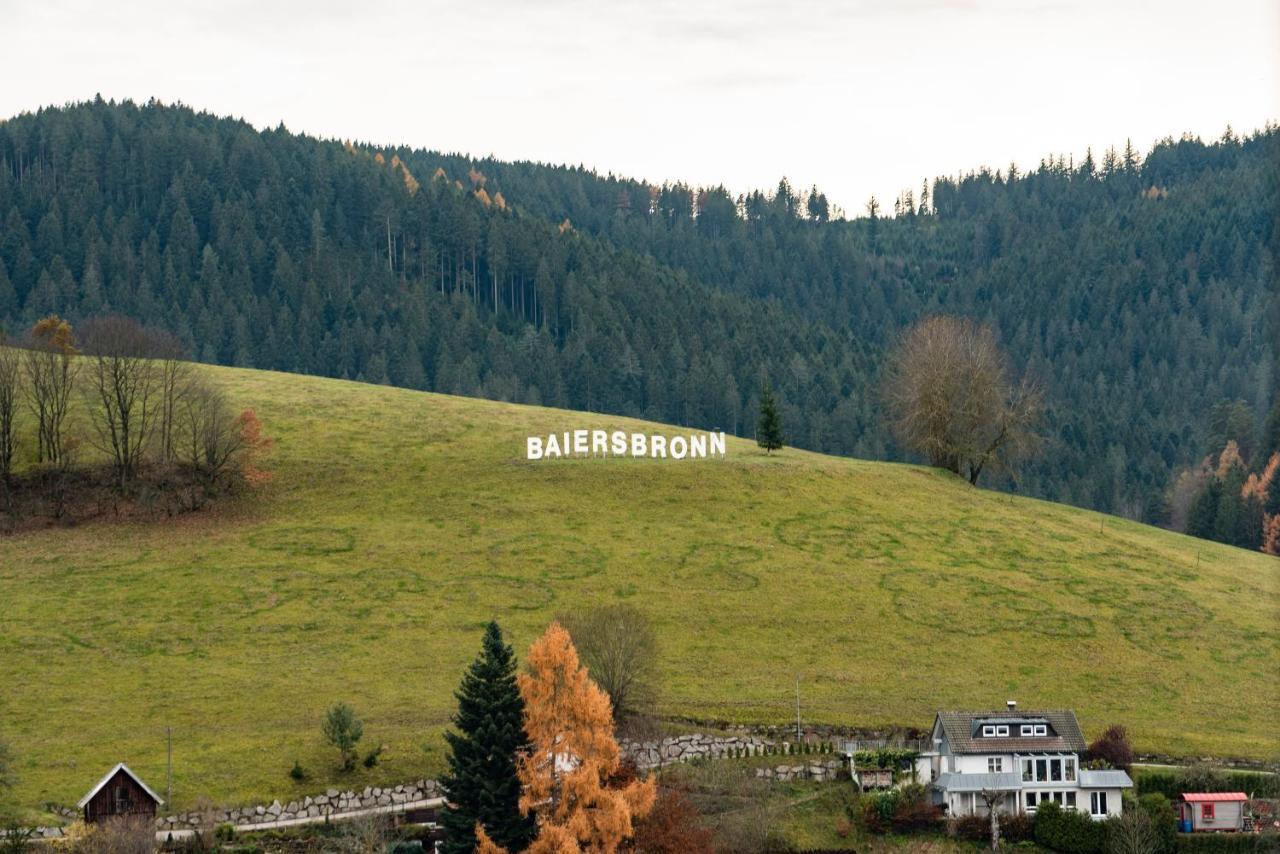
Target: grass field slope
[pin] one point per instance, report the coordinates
(399, 522)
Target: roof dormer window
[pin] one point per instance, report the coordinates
(1002, 730)
(988, 731)
(1027, 729)
(1041, 729)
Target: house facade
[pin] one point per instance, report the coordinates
(1017, 760)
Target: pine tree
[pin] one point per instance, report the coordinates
(482, 786)
(769, 427)
(568, 774)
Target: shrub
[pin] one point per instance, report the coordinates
(877, 811)
(297, 772)
(225, 832)
(1019, 827)
(1068, 831)
(1225, 843)
(975, 828)
(372, 757)
(1201, 778)
(1164, 820)
(1113, 748)
(14, 838)
(1170, 783)
(902, 810)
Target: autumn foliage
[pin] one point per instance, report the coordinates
(255, 445)
(673, 827)
(569, 776)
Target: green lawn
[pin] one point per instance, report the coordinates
(399, 522)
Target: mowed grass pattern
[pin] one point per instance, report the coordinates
(399, 522)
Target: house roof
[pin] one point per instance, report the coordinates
(107, 779)
(963, 731)
(1198, 797)
(950, 781)
(1104, 779)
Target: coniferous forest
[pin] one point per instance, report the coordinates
(1139, 288)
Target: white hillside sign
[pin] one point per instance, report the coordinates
(618, 443)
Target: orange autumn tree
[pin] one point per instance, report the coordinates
(254, 446)
(565, 776)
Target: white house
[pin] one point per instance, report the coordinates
(1024, 758)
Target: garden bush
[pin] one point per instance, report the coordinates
(902, 810)
(1069, 831)
(1226, 843)
(1172, 783)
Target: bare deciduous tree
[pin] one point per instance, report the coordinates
(10, 374)
(125, 382)
(620, 648)
(1133, 833)
(951, 398)
(993, 801)
(175, 378)
(51, 374)
(210, 434)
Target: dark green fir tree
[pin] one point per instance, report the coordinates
(769, 427)
(481, 785)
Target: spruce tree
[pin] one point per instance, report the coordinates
(769, 427)
(482, 785)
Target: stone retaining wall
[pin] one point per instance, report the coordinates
(647, 755)
(332, 803)
(827, 769)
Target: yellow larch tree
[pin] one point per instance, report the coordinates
(566, 774)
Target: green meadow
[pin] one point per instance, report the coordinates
(399, 522)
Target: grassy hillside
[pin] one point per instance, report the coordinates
(400, 521)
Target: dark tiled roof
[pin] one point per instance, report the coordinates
(959, 727)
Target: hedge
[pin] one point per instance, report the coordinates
(1069, 831)
(1196, 843)
(1166, 782)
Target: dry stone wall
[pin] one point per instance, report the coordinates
(647, 755)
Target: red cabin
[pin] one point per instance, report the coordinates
(1211, 812)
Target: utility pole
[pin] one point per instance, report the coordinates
(798, 736)
(168, 788)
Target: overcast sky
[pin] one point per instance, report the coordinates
(859, 97)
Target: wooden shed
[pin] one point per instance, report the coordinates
(1211, 812)
(119, 792)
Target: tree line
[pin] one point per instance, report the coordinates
(112, 407)
(1232, 495)
(1119, 282)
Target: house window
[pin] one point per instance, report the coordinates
(1098, 803)
(1042, 770)
(1041, 729)
(1027, 729)
(1206, 812)
(122, 799)
(1026, 770)
(1071, 800)
(1069, 769)
(1002, 730)
(1031, 800)
(1055, 770)
(988, 731)
(1057, 797)
(995, 765)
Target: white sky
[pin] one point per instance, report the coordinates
(861, 97)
